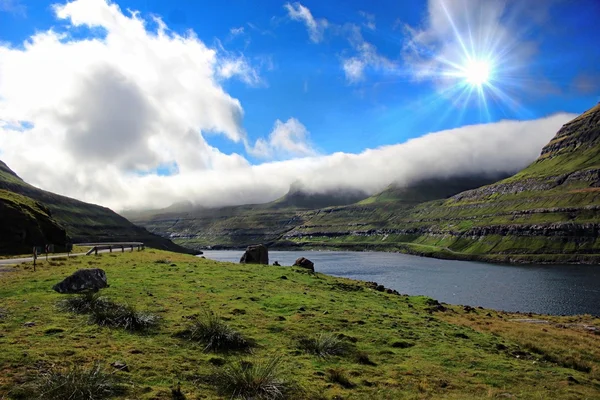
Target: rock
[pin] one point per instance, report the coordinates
(276, 264)
(380, 288)
(29, 324)
(256, 254)
(305, 263)
(83, 280)
(120, 365)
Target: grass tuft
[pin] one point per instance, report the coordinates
(325, 345)
(108, 313)
(78, 383)
(262, 380)
(124, 317)
(84, 303)
(337, 375)
(216, 335)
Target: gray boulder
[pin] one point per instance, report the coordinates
(305, 263)
(256, 254)
(82, 281)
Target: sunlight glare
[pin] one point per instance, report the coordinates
(477, 72)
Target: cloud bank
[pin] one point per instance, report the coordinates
(119, 119)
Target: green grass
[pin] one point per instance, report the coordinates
(399, 348)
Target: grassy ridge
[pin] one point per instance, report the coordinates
(84, 222)
(403, 347)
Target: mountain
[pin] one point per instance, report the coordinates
(548, 212)
(83, 222)
(239, 226)
(276, 223)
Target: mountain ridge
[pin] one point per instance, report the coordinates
(83, 222)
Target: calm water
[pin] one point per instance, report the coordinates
(568, 289)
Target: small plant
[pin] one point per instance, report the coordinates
(215, 334)
(105, 312)
(325, 345)
(261, 380)
(124, 317)
(84, 303)
(78, 383)
(337, 375)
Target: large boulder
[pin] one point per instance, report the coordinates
(256, 254)
(83, 281)
(305, 263)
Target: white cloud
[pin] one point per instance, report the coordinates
(369, 20)
(135, 100)
(315, 27)
(237, 31)
(286, 140)
(366, 56)
(353, 68)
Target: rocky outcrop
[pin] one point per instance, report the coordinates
(305, 263)
(256, 254)
(580, 133)
(27, 223)
(82, 281)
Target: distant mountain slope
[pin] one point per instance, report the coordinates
(26, 223)
(271, 222)
(83, 222)
(548, 212)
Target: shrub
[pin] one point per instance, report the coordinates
(78, 383)
(324, 345)
(215, 334)
(124, 317)
(105, 312)
(261, 380)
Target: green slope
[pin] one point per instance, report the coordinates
(84, 222)
(272, 223)
(398, 347)
(548, 212)
(26, 223)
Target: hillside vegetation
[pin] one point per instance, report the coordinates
(26, 223)
(83, 222)
(548, 212)
(231, 327)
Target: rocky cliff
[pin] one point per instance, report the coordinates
(26, 223)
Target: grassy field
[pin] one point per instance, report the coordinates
(319, 337)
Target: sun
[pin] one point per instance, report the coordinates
(477, 72)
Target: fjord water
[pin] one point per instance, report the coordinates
(543, 289)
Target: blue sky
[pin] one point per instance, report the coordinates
(318, 77)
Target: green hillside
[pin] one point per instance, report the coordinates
(83, 222)
(548, 212)
(26, 223)
(272, 222)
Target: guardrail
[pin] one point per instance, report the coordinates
(110, 246)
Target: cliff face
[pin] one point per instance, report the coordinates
(27, 223)
(547, 212)
(83, 222)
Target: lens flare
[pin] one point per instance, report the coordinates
(477, 73)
